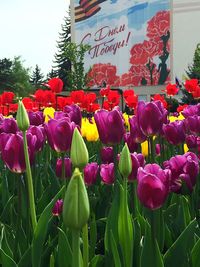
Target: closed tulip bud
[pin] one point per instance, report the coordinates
(125, 163)
(76, 208)
(79, 153)
(22, 117)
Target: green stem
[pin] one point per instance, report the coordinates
(30, 184)
(135, 199)
(85, 246)
(75, 248)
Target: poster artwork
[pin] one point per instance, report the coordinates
(129, 41)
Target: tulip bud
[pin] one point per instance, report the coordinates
(79, 153)
(76, 208)
(22, 117)
(125, 163)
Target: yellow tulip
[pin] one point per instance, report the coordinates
(48, 113)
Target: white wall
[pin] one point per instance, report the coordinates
(185, 34)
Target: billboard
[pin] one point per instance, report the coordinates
(129, 40)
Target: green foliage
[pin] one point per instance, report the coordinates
(37, 77)
(14, 77)
(77, 77)
(62, 63)
(194, 69)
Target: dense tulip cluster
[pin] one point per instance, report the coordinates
(118, 176)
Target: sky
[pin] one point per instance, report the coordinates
(30, 29)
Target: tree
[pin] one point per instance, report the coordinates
(62, 62)
(37, 78)
(77, 78)
(193, 71)
(14, 77)
(51, 74)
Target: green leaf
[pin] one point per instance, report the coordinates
(111, 222)
(125, 227)
(64, 250)
(41, 230)
(93, 236)
(25, 261)
(177, 254)
(6, 260)
(97, 261)
(116, 258)
(150, 255)
(196, 254)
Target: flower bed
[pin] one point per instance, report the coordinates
(90, 186)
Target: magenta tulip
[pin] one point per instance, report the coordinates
(59, 134)
(12, 151)
(90, 173)
(74, 113)
(191, 111)
(136, 133)
(107, 154)
(68, 168)
(39, 133)
(193, 124)
(133, 146)
(107, 173)
(153, 185)
(36, 118)
(192, 141)
(151, 117)
(58, 207)
(110, 126)
(174, 132)
(184, 168)
(137, 161)
(9, 126)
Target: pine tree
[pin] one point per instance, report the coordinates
(62, 63)
(51, 74)
(193, 72)
(194, 69)
(37, 78)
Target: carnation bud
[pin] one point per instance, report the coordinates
(76, 208)
(79, 153)
(125, 163)
(22, 117)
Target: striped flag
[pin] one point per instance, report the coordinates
(86, 9)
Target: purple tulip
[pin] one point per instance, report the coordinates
(59, 134)
(158, 149)
(36, 118)
(68, 168)
(9, 126)
(191, 111)
(110, 126)
(151, 117)
(133, 146)
(107, 173)
(58, 207)
(39, 133)
(191, 141)
(193, 124)
(153, 185)
(137, 161)
(184, 168)
(12, 151)
(174, 132)
(74, 113)
(136, 134)
(107, 154)
(90, 173)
